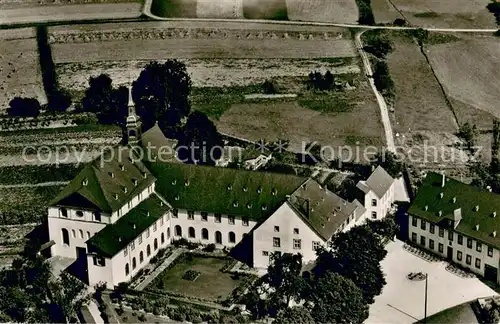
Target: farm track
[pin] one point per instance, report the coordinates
(32, 185)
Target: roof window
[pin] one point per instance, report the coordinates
(85, 182)
(235, 204)
(111, 174)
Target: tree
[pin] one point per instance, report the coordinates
(495, 147)
(322, 82)
(494, 8)
(24, 107)
(468, 132)
(337, 299)
(268, 87)
(200, 142)
(422, 35)
(390, 162)
(161, 88)
(70, 294)
(382, 79)
(379, 44)
(386, 227)
(356, 255)
(296, 314)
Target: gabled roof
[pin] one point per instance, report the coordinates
(466, 199)
(253, 194)
(322, 209)
(108, 182)
(115, 237)
(379, 181)
(155, 141)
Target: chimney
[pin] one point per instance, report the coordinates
(494, 234)
(494, 214)
(443, 180)
(476, 208)
(454, 199)
(477, 227)
(441, 195)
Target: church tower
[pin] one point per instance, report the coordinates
(133, 126)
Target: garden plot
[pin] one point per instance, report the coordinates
(338, 11)
(452, 14)
(468, 70)
(20, 73)
(206, 73)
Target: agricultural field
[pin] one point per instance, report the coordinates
(20, 73)
(430, 13)
(338, 11)
(468, 70)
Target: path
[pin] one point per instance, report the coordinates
(152, 275)
(32, 185)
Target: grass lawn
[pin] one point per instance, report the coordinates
(210, 284)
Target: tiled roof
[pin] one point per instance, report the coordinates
(160, 146)
(108, 182)
(379, 181)
(477, 207)
(322, 209)
(114, 237)
(221, 190)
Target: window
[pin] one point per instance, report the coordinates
(316, 245)
(479, 247)
(231, 220)
(265, 253)
(295, 231)
(204, 216)
(161, 221)
(245, 221)
(232, 237)
(64, 212)
(127, 270)
(81, 233)
(440, 248)
(79, 213)
(97, 216)
(99, 261)
(204, 234)
(431, 244)
(134, 263)
(490, 251)
(162, 238)
(414, 221)
(441, 232)
(154, 227)
(414, 237)
(432, 228)
(168, 232)
(468, 259)
(459, 256)
(469, 243)
(422, 224)
(191, 232)
(460, 239)
(155, 244)
(276, 228)
(148, 250)
(374, 214)
(478, 263)
(141, 257)
(65, 236)
(88, 235)
(140, 239)
(132, 246)
(297, 244)
(177, 230)
(450, 235)
(147, 233)
(73, 233)
(422, 240)
(175, 213)
(276, 242)
(125, 252)
(374, 202)
(217, 217)
(190, 214)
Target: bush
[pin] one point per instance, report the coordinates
(497, 33)
(383, 80)
(142, 318)
(209, 248)
(119, 310)
(24, 107)
(322, 82)
(268, 87)
(85, 120)
(365, 12)
(191, 275)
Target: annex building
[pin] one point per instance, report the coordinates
(458, 222)
(117, 214)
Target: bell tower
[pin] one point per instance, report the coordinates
(133, 126)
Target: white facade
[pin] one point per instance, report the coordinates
(378, 207)
(288, 229)
(465, 251)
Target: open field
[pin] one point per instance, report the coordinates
(469, 72)
(210, 284)
(338, 11)
(384, 12)
(445, 14)
(20, 73)
(265, 9)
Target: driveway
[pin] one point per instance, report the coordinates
(402, 300)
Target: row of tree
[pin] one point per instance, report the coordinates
(346, 278)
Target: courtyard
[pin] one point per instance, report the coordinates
(198, 277)
(402, 300)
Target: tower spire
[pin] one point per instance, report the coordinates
(133, 121)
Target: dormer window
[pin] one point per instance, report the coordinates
(249, 205)
(116, 196)
(229, 187)
(259, 190)
(122, 167)
(274, 192)
(124, 189)
(131, 160)
(186, 183)
(64, 212)
(111, 174)
(264, 207)
(134, 181)
(144, 175)
(85, 182)
(235, 204)
(174, 182)
(177, 197)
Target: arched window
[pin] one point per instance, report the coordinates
(65, 236)
(73, 233)
(141, 257)
(134, 263)
(64, 212)
(191, 232)
(178, 230)
(168, 233)
(81, 233)
(148, 250)
(162, 238)
(155, 244)
(218, 237)
(88, 235)
(131, 133)
(204, 234)
(232, 237)
(127, 270)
